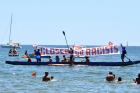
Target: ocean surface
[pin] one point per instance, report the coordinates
(74, 79)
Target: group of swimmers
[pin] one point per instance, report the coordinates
(13, 51)
(111, 77)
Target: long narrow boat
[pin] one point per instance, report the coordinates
(74, 63)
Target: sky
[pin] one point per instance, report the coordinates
(85, 22)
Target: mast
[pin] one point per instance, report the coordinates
(10, 29)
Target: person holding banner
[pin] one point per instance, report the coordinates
(123, 54)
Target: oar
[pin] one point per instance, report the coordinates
(66, 39)
(128, 58)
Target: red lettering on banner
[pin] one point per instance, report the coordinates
(103, 50)
(81, 52)
(62, 51)
(111, 49)
(57, 51)
(47, 52)
(43, 51)
(98, 51)
(66, 51)
(52, 51)
(87, 51)
(93, 51)
(106, 50)
(116, 49)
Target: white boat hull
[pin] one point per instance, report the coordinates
(10, 46)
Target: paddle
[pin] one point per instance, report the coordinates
(66, 40)
(128, 59)
(71, 64)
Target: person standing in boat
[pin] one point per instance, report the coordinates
(123, 54)
(71, 55)
(38, 55)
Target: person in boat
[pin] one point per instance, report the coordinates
(64, 59)
(87, 60)
(10, 51)
(26, 53)
(50, 59)
(29, 59)
(14, 50)
(46, 78)
(123, 54)
(137, 80)
(38, 55)
(110, 76)
(34, 52)
(71, 56)
(57, 58)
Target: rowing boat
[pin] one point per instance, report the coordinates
(74, 63)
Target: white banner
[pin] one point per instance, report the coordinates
(80, 51)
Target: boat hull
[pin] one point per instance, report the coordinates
(74, 63)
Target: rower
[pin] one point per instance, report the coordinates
(57, 58)
(29, 59)
(50, 59)
(26, 53)
(71, 56)
(87, 60)
(64, 59)
(123, 55)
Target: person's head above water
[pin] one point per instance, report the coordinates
(110, 73)
(46, 73)
(139, 75)
(119, 79)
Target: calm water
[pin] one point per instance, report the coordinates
(75, 79)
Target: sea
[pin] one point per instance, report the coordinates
(68, 79)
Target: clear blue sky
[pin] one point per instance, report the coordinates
(86, 22)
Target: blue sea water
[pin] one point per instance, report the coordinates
(75, 79)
